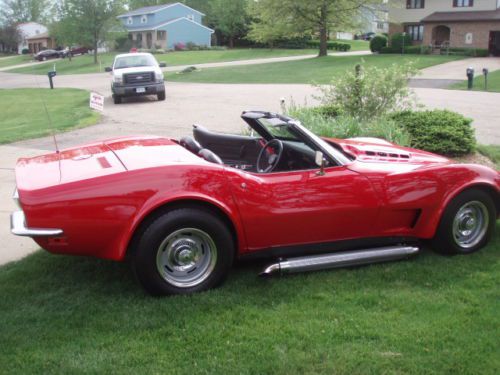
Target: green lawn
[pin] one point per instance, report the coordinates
(356, 45)
(23, 112)
(6, 61)
(85, 64)
(492, 152)
(320, 70)
(429, 315)
(493, 83)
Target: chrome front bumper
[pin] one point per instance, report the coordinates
(19, 228)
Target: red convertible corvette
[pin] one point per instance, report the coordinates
(182, 211)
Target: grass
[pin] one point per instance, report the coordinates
(11, 60)
(85, 64)
(356, 45)
(23, 112)
(492, 152)
(493, 83)
(429, 315)
(319, 70)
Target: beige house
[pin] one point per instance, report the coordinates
(40, 42)
(453, 23)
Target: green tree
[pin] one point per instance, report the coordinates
(230, 18)
(88, 22)
(16, 11)
(316, 17)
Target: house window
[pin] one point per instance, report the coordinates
(144, 19)
(161, 35)
(130, 21)
(463, 3)
(416, 32)
(415, 4)
(190, 17)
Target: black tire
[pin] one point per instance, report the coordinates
(117, 99)
(472, 203)
(161, 96)
(158, 248)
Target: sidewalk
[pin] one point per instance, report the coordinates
(456, 70)
(31, 63)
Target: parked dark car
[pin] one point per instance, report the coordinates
(79, 50)
(48, 54)
(367, 36)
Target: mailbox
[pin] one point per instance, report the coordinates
(470, 77)
(51, 75)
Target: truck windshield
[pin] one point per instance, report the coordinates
(134, 61)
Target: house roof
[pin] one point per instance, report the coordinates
(154, 9)
(39, 36)
(158, 25)
(491, 15)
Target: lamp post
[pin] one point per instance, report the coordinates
(404, 37)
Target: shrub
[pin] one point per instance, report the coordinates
(179, 46)
(397, 41)
(473, 52)
(25, 51)
(370, 92)
(331, 45)
(377, 43)
(293, 43)
(349, 127)
(439, 131)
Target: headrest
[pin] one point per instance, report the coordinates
(210, 156)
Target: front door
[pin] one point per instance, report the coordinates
(494, 45)
(302, 207)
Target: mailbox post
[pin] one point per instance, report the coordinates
(470, 77)
(51, 75)
(485, 73)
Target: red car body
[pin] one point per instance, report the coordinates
(106, 190)
(99, 194)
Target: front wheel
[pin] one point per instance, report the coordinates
(467, 223)
(183, 251)
(117, 99)
(161, 96)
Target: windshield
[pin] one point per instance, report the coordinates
(134, 61)
(278, 128)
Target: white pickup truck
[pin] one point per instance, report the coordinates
(136, 74)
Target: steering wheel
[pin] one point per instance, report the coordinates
(269, 156)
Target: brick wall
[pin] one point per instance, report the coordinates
(458, 31)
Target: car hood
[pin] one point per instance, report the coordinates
(99, 159)
(378, 154)
(138, 70)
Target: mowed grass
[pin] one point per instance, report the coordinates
(492, 152)
(319, 70)
(428, 315)
(85, 64)
(6, 61)
(24, 116)
(493, 83)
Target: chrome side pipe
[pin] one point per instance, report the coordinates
(344, 259)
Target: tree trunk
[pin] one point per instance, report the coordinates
(95, 51)
(231, 42)
(323, 30)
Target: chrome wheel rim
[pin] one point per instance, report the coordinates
(186, 257)
(470, 224)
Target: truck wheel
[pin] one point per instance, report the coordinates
(161, 96)
(183, 251)
(117, 99)
(467, 223)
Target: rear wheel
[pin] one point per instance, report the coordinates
(117, 99)
(161, 96)
(183, 251)
(467, 223)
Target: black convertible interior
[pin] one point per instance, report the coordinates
(250, 153)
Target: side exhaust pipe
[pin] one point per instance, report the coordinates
(344, 259)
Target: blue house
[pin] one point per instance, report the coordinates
(163, 26)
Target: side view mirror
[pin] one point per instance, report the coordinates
(108, 69)
(163, 65)
(320, 162)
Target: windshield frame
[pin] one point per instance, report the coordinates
(150, 57)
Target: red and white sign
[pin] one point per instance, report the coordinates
(97, 101)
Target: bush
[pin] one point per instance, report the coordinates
(25, 51)
(473, 52)
(371, 92)
(397, 41)
(179, 46)
(410, 50)
(331, 45)
(439, 131)
(348, 127)
(377, 43)
(293, 43)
